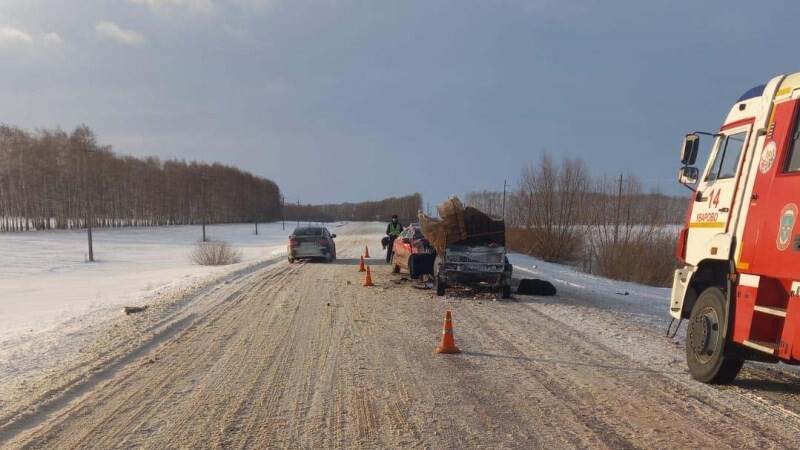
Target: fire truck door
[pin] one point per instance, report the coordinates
(771, 239)
(713, 202)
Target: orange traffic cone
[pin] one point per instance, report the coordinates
(361, 265)
(366, 252)
(368, 278)
(448, 344)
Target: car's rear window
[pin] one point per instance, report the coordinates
(308, 232)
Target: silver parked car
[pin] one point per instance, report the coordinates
(311, 242)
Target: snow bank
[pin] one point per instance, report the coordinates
(44, 279)
(591, 290)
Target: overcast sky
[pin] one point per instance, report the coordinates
(345, 100)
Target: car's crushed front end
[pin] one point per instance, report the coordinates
(475, 266)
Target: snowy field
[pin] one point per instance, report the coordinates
(45, 281)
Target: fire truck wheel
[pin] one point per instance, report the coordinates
(705, 341)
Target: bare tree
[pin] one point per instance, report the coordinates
(628, 239)
(489, 202)
(548, 207)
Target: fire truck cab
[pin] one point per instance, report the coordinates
(739, 286)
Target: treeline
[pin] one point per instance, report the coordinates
(610, 227)
(650, 207)
(406, 207)
(51, 179)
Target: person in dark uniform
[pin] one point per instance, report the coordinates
(393, 229)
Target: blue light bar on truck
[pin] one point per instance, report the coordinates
(755, 92)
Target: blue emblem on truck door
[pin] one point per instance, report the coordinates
(786, 225)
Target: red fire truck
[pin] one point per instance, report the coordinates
(739, 286)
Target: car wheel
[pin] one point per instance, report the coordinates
(506, 291)
(440, 287)
(291, 260)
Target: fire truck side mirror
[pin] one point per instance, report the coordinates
(689, 150)
(688, 175)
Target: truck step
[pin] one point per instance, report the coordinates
(780, 312)
(767, 347)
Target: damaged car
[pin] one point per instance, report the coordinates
(470, 247)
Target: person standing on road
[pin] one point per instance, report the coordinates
(393, 229)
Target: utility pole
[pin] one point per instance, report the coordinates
(204, 179)
(298, 212)
(619, 207)
(283, 212)
(505, 185)
(255, 220)
(255, 214)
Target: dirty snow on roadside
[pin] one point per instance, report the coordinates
(632, 320)
(617, 313)
(599, 292)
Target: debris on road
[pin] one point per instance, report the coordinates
(533, 286)
(128, 310)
